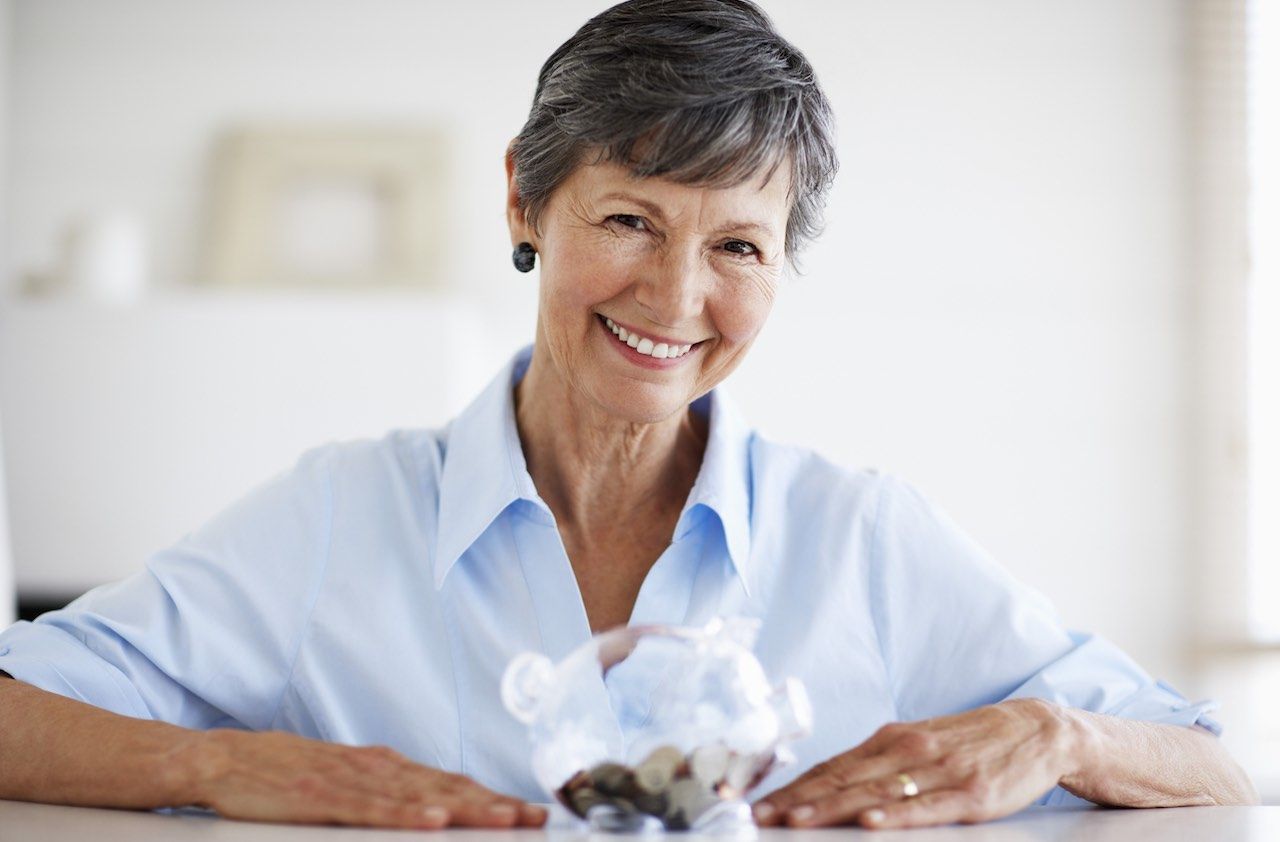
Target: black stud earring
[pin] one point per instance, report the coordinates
(523, 256)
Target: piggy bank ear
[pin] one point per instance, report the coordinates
(526, 681)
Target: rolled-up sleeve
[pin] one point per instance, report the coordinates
(205, 635)
(1097, 676)
(959, 632)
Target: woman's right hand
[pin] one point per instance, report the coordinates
(274, 776)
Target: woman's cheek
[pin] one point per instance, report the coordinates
(743, 308)
(736, 327)
(597, 274)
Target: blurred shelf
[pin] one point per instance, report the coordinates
(213, 296)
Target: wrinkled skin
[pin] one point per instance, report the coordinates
(970, 767)
(279, 777)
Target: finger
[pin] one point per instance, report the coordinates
(486, 809)
(944, 806)
(835, 778)
(765, 814)
(771, 810)
(470, 804)
(532, 815)
(367, 811)
(464, 813)
(893, 747)
(380, 772)
(842, 807)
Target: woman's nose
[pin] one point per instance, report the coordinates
(673, 290)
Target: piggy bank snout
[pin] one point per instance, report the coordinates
(525, 683)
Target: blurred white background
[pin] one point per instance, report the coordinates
(1030, 301)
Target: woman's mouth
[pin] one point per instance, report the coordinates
(644, 345)
(644, 351)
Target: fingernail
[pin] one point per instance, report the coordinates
(764, 810)
(874, 816)
(435, 814)
(533, 813)
(502, 811)
(801, 814)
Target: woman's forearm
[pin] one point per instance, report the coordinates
(61, 751)
(1129, 763)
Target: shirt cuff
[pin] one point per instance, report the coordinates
(55, 665)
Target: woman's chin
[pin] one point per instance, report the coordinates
(642, 404)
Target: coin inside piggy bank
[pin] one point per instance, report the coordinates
(657, 727)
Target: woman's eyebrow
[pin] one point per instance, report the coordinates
(656, 211)
(747, 226)
(649, 206)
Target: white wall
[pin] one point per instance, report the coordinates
(1004, 261)
(996, 312)
(7, 597)
(6, 59)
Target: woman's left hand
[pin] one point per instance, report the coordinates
(969, 767)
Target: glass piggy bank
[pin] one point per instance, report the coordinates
(649, 728)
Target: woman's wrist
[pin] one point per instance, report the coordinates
(193, 766)
(1081, 754)
(1072, 739)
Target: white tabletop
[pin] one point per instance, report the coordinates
(21, 821)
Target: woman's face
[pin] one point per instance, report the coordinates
(692, 271)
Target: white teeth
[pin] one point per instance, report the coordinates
(659, 350)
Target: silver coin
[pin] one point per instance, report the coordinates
(710, 763)
(657, 770)
(669, 755)
(687, 799)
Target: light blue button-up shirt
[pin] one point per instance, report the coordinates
(374, 594)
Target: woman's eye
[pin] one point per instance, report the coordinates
(740, 247)
(628, 220)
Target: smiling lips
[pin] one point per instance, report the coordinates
(645, 345)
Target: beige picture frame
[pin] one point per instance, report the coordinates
(329, 207)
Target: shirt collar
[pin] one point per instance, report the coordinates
(485, 472)
(723, 486)
(484, 468)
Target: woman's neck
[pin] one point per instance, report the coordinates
(595, 470)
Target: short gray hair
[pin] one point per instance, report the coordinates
(702, 92)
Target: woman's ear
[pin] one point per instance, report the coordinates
(517, 221)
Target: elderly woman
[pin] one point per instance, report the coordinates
(330, 648)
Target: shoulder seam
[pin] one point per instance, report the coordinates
(877, 593)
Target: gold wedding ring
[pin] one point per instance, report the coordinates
(909, 787)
